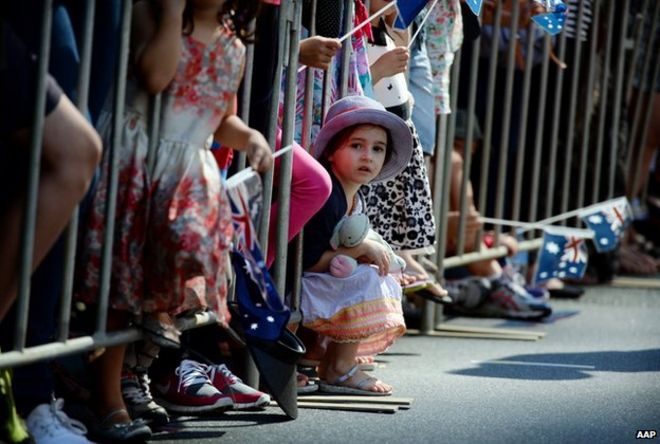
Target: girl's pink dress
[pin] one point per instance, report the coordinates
(173, 224)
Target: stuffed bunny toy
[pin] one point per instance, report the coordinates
(350, 232)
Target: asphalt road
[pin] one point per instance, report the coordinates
(594, 377)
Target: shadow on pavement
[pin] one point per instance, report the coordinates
(565, 366)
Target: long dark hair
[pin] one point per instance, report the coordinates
(236, 13)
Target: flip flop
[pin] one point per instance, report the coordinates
(339, 387)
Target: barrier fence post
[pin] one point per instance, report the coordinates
(34, 165)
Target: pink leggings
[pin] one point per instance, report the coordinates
(310, 188)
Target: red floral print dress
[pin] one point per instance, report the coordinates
(173, 224)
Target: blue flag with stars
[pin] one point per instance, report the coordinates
(563, 254)
(553, 20)
(408, 10)
(262, 313)
(608, 221)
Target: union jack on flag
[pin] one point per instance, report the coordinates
(609, 221)
(263, 314)
(563, 254)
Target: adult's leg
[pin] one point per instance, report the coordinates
(71, 150)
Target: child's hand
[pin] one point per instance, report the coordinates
(394, 61)
(258, 152)
(317, 51)
(376, 254)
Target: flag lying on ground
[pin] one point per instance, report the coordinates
(609, 221)
(262, 312)
(553, 20)
(563, 253)
(475, 6)
(407, 11)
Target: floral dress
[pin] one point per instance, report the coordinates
(173, 224)
(444, 29)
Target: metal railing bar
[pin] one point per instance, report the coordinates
(618, 87)
(113, 161)
(588, 112)
(556, 110)
(602, 114)
(573, 93)
(284, 189)
(34, 166)
(82, 94)
(522, 132)
(506, 120)
(467, 146)
(540, 131)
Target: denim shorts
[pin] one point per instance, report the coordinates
(420, 81)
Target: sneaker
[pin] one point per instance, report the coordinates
(243, 396)
(48, 424)
(137, 397)
(498, 298)
(189, 390)
(510, 274)
(509, 300)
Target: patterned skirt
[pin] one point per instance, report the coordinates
(171, 233)
(400, 209)
(363, 307)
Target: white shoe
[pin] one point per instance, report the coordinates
(48, 424)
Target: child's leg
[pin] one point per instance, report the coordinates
(338, 362)
(310, 188)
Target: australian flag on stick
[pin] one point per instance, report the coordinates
(609, 221)
(563, 254)
(553, 20)
(263, 315)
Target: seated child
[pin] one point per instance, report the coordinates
(358, 315)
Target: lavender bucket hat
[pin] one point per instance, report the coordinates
(354, 110)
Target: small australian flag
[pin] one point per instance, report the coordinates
(608, 221)
(563, 254)
(553, 20)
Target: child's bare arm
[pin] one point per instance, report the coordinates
(156, 42)
(233, 132)
(368, 251)
(393, 62)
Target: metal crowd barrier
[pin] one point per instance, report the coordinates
(603, 116)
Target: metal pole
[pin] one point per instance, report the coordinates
(639, 32)
(586, 130)
(441, 185)
(616, 104)
(540, 130)
(568, 141)
(467, 148)
(603, 103)
(30, 210)
(522, 133)
(646, 69)
(556, 110)
(82, 93)
(490, 107)
(506, 119)
(247, 89)
(284, 191)
(113, 161)
(347, 47)
(638, 174)
(272, 127)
